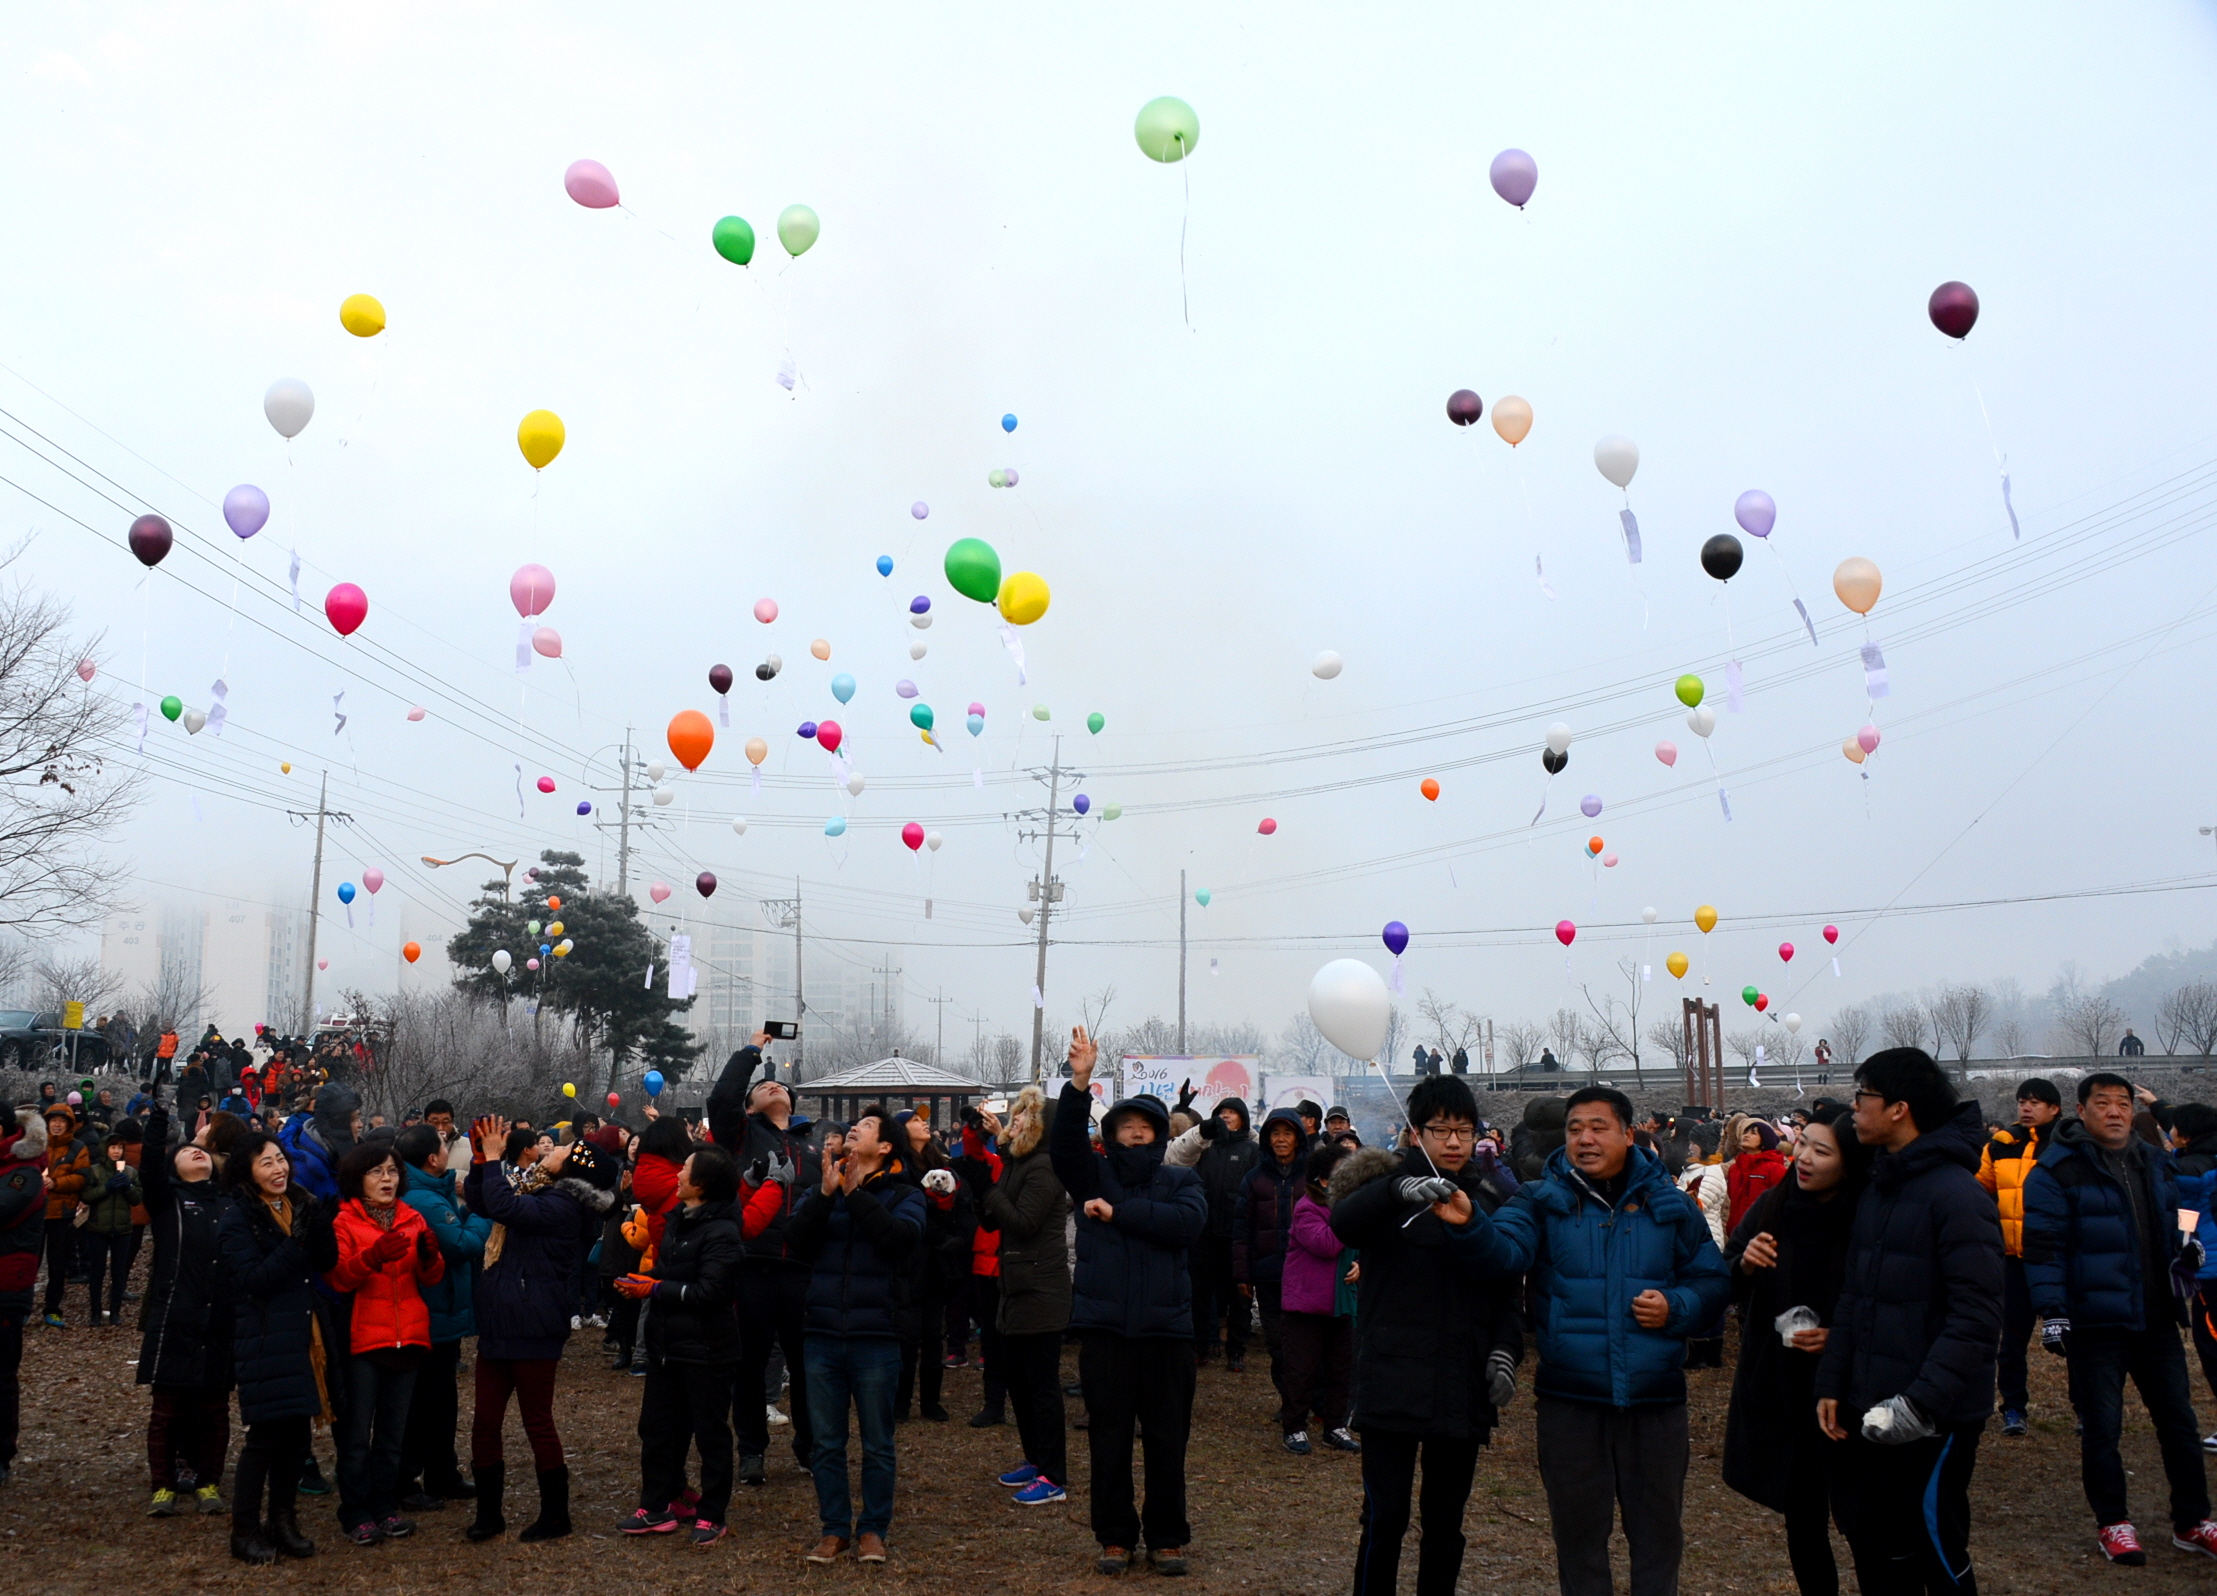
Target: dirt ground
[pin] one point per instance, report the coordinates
(72, 1520)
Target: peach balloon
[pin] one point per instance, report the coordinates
(1858, 583)
(1512, 418)
(1853, 750)
(821, 648)
(757, 750)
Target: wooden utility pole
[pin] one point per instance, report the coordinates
(1704, 1054)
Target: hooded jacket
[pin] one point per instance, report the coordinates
(696, 1269)
(22, 1208)
(108, 1203)
(451, 1299)
(316, 1142)
(1225, 1160)
(2004, 1167)
(269, 1272)
(857, 1245)
(748, 1137)
(1133, 1277)
(1263, 1216)
(523, 1300)
(1920, 1313)
(388, 1311)
(2197, 1183)
(2082, 1250)
(186, 1313)
(1428, 1315)
(1747, 1178)
(1030, 1210)
(67, 1162)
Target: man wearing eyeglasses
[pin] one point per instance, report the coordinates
(1622, 1268)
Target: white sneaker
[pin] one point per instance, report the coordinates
(776, 1417)
(2209, 1443)
(576, 1322)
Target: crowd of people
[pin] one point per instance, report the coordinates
(1889, 1259)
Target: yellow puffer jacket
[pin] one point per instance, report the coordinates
(2002, 1170)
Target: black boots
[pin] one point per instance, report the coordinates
(248, 1546)
(488, 1522)
(553, 1521)
(283, 1533)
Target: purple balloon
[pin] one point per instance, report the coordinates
(905, 688)
(584, 808)
(919, 605)
(919, 509)
(1590, 805)
(1397, 937)
(808, 729)
(1081, 803)
(246, 509)
(1515, 174)
(1756, 512)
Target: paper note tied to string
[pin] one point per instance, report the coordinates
(1874, 671)
(218, 712)
(2011, 508)
(1540, 571)
(1631, 537)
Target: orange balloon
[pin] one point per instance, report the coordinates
(1853, 750)
(1857, 583)
(411, 951)
(1512, 418)
(1430, 789)
(691, 737)
(1594, 845)
(554, 905)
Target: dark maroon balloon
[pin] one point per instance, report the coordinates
(1954, 309)
(150, 539)
(705, 883)
(1464, 407)
(719, 677)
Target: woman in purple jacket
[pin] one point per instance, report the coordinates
(1319, 1343)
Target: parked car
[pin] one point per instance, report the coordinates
(28, 1038)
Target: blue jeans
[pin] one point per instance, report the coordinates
(866, 1369)
(2100, 1361)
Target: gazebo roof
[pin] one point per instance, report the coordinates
(896, 1074)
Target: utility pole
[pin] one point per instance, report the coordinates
(1048, 892)
(315, 893)
(1181, 961)
(622, 823)
(940, 1003)
(783, 912)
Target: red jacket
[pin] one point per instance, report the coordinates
(758, 1207)
(389, 1310)
(654, 1187)
(985, 1244)
(1747, 1177)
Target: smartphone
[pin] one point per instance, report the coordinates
(782, 1030)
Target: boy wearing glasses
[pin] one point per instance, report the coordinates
(1623, 1267)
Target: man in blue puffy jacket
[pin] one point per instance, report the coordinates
(2101, 1245)
(429, 1470)
(1132, 1305)
(1622, 1269)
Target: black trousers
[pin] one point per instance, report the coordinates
(773, 1312)
(985, 1308)
(11, 1374)
(1216, 1298)
(2101, 1361)
(684, 1407)
(274, 1452)
(61, 1259)
(427, 1454)
(2203, 1305)
(1602, 1463)
(1033, 1365)
(1906, 1511)
(1318, 1357)
(1389, 1481)
(922, 1374)
(1129, 1379)
(2017, 1320)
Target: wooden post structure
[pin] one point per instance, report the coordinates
(1704, 1054)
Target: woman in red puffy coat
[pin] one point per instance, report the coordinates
(1759, 1167)
(387, 1254)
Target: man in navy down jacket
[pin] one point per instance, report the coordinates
(1623, 1269)
(1132, 1305)
(1907, 1380)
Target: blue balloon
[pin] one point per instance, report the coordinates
(584, 808)
(807, 728)
(545, 948)
(1081, 803)
(842, 687)
(919, 605)
(346, 892)
(652, 1081)
(1008, 422)
(836, 826)
(977, 725)
(885, 565)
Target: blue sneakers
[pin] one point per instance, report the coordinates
(1021, 1475)
(1040, 1492)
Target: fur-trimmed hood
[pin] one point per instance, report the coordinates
(1028, 1138)
(585, 1194)
(28, 1140)
(1360, 1168)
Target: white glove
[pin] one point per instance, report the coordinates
(1500, 1378)
(940, 1182)
(1896, 1422)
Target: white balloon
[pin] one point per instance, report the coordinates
(663, 797)
(657, 770)
(501, 960)
(1648, 915)
(918, 649)
(739, 825)
(1617, 458)
(1327, 666)
(194, 720)
(289, 406)
(854, 785)
(1793, 1022)
(1349, 1004)
(922, 622)
(1558, 736)
(1701, 720)
(1024, 915)
(932, 840)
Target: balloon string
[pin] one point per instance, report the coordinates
(1185, 303)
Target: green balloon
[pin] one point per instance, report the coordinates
(974, 570)
(1095, 721)
(1690, 690)
(797, 228)
(1748, 995)
(1112, 811)
(1042, 712)
(920, 716)
(172, 707)
(734, 240)
(1202, 897)
(1167, 129)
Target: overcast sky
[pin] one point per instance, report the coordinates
(1740, 214)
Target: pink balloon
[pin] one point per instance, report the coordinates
(1667, 752)
(829, 734)
(1832, 933)
(1609, 860)
(1269, 827)
(531, 590)
(345, 607)
(84, 670)
(1565, 932)
(591, 184)
(373, 878)
(659, 892)
(547, 641)
(913, 835)
(765, 610)
(416, 713)
(1867, 739)
(1786, 952)
(977, 709)
(323, 964)
(546, 784)
(531, 964)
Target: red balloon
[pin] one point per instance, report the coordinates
(546, 784)
(829, 735)
(1832, 933)
(913, 835)
(719, 677)
(1565, 932)
(614, 1099)
(1786, 952)
(150, 539)
(345, 607)
(705, 883)
(1953, 309)
(1269, 827)
(1762, 1002)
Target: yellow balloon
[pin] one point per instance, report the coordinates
(1512, 418)
(1678, 964)
(285, 769)
(562, 948)
(569, 1088)
(555, 929)
(361, 315)
(1023, 598)
(1857, 582)
(540, 436)
(1706, 918)
(1852, 749)
(821, 648)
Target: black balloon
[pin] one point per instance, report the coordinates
(1553, 762)
(764, 671)
(719, 677)
(1721, 556)
(1464, 407)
